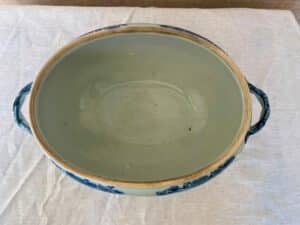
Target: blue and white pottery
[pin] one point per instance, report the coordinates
(140, 109)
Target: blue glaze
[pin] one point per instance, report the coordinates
(17, 105)
(265, 113)
(198, 181)
(85, 181)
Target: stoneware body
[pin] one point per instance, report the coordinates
(141, 109)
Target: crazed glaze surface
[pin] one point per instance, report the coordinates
(168, 110)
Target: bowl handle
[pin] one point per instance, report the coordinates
(17, 106)
(265, 112)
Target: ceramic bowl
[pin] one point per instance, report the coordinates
(141, 109)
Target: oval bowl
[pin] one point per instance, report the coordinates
(141, 109)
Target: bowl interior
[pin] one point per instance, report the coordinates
(139, 106)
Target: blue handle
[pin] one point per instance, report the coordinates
(265, 112)
(17, 106)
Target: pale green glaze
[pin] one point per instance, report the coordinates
(140, 107)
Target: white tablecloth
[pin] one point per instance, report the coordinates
(261, 187)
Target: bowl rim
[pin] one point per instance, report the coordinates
(231, 150)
